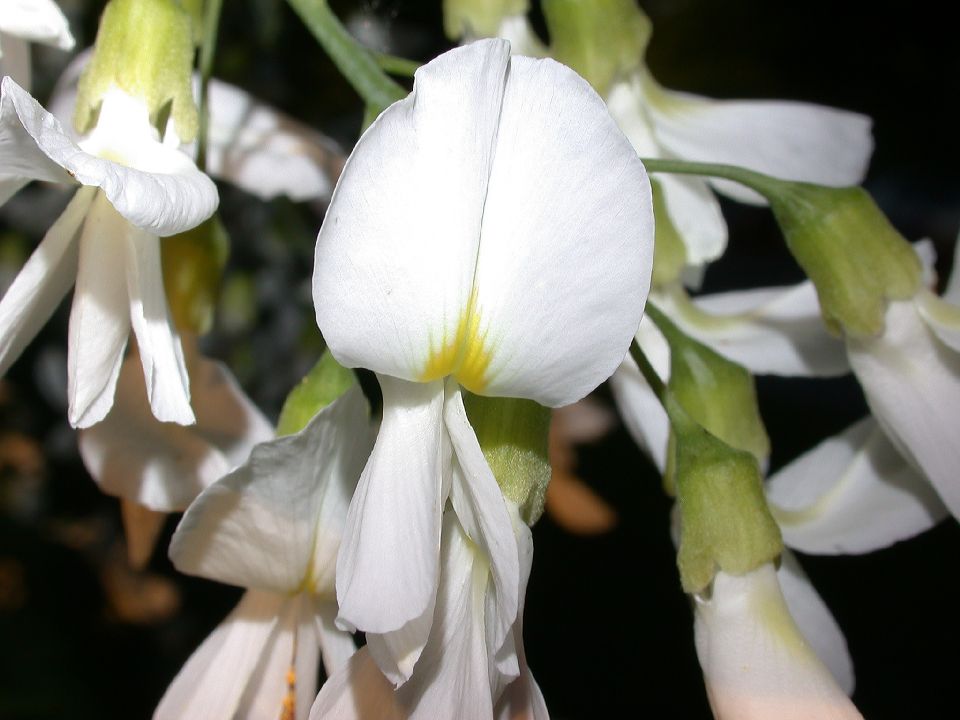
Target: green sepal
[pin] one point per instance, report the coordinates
(669, 251)
(145, 48)
(600, 39)
(325, 382)
(195, 9)
(854, 256)
(479, 18)
(193, 263)
(513, 435)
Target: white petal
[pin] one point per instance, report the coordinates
(852, 493)
(388, 563)
(212, 682)
(42, 282)
(37, 20)
(132, 455)
(275, 523)
(336, 646)
(942, 317)
(912, 384)
(395, 256)
(791, 140)
(639, 407)
(756, 665)
(100, 316)
(482, 512)
(357, 691)
(522, 700)
(951, 293)
(397, 652)
(15, 62)
(815, 621)
(567, 241)
(141, 530)
(164, 369)
(266, 153)
(696, 216)
(770, 331)
(516, 29)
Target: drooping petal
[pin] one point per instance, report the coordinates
(942, 317)
(358, 691)
(482, 511)
(388, 563)
(212, 682)
(852, 493)
(164, 369)
(912, 384)
(100, 315)
(132, 455)
(336, 645)
(755, 662)
(566, 248)
(141, 530)
(791, 140)
(395, 256)
(815, 621)
(38, 20)
(639, 407)
(42, 282)
(696, 216)
(275, 522)
(770, 331)
(397, 652)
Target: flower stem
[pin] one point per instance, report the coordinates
(402, 67)
(763, 184)
(211, 24)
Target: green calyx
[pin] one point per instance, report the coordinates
(145, 48)
(513, 435)
(193, 263)
(854, 256)
(669, 252)
(479, 18)
(195, 9)
(325, 382)
(600, 39)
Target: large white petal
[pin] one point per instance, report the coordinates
(755, 662)
(639, 407)
(37, 20)
(212, 682)
(482, 511)
(912, 384)
(100, 315)
(336, 645)
(388, 564)
(770, 331)
(42, 282)
(696, 216)
(275, 523)
(132, 455)
(395, 256)
(791, 140)
(164, 369)
(852, 493)
(358, 691)
(159, 189)
(815, 621)
(566, 248)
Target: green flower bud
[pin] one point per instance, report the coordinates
(669, 252)
(513, 435)
(854, 256)
(325, 382)
(600, 39)
(193, 263)
(479, 18)
(145, 48)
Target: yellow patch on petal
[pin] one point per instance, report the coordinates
(465, 355)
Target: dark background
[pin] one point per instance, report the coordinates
(608, 631)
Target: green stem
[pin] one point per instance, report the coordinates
(211, 24)
(763, 184)
(355, 62)
(649, 374)
(394, 65)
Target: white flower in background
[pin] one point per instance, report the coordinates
(273, 525)
(756, 664)
(456, 675)
(133, 189)
(162, 467)
(25, 21)
(493, 231)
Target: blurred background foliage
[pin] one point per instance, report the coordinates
(608, 630)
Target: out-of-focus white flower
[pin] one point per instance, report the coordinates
(134, 189)
(273, 525)
(493, 230)
(24, 21)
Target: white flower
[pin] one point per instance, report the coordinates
(755, 662)
(164, 466)
(272, 525)
(133, 189)
(29, 20)
(493, 230)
